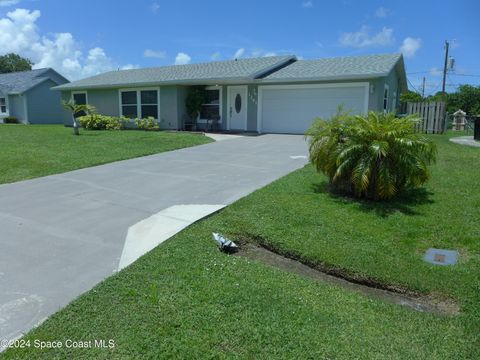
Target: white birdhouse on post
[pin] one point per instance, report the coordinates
(459, 120)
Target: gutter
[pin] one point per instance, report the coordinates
(210, 81)
(324, 78)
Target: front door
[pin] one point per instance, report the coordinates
(237, 107)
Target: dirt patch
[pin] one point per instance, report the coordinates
(389, 293)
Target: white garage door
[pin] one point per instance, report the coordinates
(292, 108)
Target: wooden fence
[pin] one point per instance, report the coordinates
(432, 114)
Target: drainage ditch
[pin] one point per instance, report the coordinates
(394, 295)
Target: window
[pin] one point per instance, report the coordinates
(385, 98)
(129, 104)
(80, 98)
(3, 105)
(139, 103)
(211, 108)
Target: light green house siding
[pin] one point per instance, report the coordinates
(106, 101)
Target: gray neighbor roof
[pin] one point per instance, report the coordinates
(252, 70)
(19, 82)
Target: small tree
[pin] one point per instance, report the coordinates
(372, 156)
(14, 62)
(77, 110)
(410, 96)
(195, 98)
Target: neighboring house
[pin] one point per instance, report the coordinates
(278, 94)
(26, 95)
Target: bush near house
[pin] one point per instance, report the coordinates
(148, 124)
(10, 120)
(374, 156)
(101, 122)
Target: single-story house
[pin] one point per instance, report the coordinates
(26, 96)
(277, 94)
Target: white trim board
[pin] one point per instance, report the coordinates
(261, 88)
(245, 100)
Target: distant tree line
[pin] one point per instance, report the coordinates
(466, 98)
(14, 62)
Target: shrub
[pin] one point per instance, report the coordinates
(101, 122)
(373, 156)
(10, 120)
(196, 97)
(148, 124)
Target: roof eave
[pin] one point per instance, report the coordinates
(211, 81)
(324, 78)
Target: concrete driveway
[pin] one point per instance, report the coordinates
(62, 234)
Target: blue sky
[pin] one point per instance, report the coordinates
(82, 38)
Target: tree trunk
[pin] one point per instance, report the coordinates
(75, 126)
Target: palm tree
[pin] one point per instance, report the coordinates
(374, 156)
(76, 110)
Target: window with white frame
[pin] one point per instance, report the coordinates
(385, 98)
(3, 105)
(212, 106)
(139, 104)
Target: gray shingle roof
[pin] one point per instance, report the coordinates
(241, 69)
(19, 82)
(350, 67)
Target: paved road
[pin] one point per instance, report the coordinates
(62, 234)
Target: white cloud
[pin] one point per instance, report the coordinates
(8, 2)
(381, 12)
(435, 71)
(20, 34)
(215, 56)
(362, 38)
(182, 59)
(154, 7)
(149, 53)
(239, 53)
(129, 67)
(307, 4)
(410, 46)
(261, 53)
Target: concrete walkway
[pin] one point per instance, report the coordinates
(465, 140)
(62, 234)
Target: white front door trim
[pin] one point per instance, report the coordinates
(244, 104)
(261, 88)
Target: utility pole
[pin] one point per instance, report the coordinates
(445, 67)
(423, 87)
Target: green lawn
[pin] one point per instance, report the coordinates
(185, 299)
(37, 150)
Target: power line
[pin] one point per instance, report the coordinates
(413, 86)
(472, 75)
